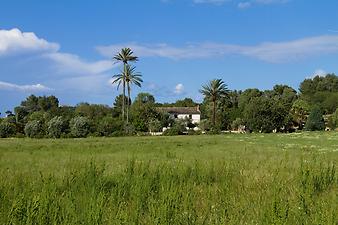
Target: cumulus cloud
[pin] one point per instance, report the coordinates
(179, 89)
(273, 52)
(58, 69)
(14, 42)
(23, 88)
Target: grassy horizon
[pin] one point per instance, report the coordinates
(223, 179)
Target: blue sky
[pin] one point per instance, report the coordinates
(65, 47)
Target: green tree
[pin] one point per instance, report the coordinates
(108, 125)
(34, 129)
(7, 129)
(125, 56)
(79, 126)
(333, 120)
(143, 110)
(56, 126)
(315, 121)
(214, 91)
(299, 112)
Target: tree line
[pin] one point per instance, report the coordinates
(281, 109)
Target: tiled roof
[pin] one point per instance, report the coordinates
(180, 110)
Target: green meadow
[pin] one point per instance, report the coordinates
(223, 179)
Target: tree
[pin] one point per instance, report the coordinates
(56, 126)
(187, 102)
(143, 110)
(79, 126)
(333, 120)
(117, 106)
(213, 91)
(299, 112)
(108, 125)
(315, 121)
(258, 115)
(125, 56)
(129, 76)
(144, 98)
(34, 129)
(7, 129)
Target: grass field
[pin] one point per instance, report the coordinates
(226, 179)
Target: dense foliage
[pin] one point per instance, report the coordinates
(281, 109)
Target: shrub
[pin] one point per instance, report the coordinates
(79, 126)
(237, 123)
(155, 125)
(7, 129)
(129, 130)
(315, 121)
(333, 120)
(56, 127)
(34, 129)
(177, 129)
(108, 125)
(205, 125)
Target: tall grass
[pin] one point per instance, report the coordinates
(174, 192)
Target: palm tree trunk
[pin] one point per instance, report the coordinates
(128, 87)
(214, 113)
(124, 92)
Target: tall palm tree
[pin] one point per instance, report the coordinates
(125, 56)
(213, 91)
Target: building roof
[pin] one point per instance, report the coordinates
(180, 110)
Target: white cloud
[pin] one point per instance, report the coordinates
(241, 5)
(24, 88)
(58, 69)
(216, 2)
(320, 72)
(244, 5)
(14, 42)
(179, 89)
(273, 52)
(74, 64)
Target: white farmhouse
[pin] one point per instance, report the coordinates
(192, 113)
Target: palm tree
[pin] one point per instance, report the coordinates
(213, 91)
(125, 56)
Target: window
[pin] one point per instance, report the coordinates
(175, 116)
(190, 116)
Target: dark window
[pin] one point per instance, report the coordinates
(175, 116)
(190, 116)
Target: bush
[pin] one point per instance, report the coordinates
(205, 125)
(56, 127)
(108, 125)
(34, 129)
(155, 125)
(177, 129)
(315, 121)
(237, 124)
(333, 120)
(7, 129)
(79, 126)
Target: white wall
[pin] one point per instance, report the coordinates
(195, 117)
